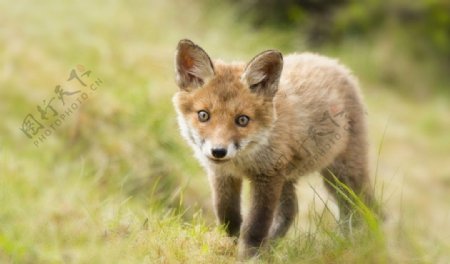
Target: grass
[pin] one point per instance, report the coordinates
(116, 183)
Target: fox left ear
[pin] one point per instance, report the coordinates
(193, 65)
(262, 73)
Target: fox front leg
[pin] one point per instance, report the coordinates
(227, 202)
(265, 195)
(286, 211)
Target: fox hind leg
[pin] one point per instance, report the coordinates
(350, 168)
(353, 179)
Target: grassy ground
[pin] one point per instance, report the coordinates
(114, 182)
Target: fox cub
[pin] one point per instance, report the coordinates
(270, 121)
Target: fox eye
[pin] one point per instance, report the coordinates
(242, 120)
(203, 116)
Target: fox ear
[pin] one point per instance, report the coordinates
(193, 65)
(262, 73)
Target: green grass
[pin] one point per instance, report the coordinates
(116, 183)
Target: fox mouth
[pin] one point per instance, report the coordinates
(218, 161)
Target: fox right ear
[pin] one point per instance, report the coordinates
(193, 65)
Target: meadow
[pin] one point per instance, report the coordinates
(113, 181)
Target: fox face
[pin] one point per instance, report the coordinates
(225, 110)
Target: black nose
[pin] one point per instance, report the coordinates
(219, 152)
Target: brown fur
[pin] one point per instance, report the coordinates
(306, 114)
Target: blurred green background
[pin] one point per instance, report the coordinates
(114, 182)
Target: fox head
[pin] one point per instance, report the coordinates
(225, 110)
